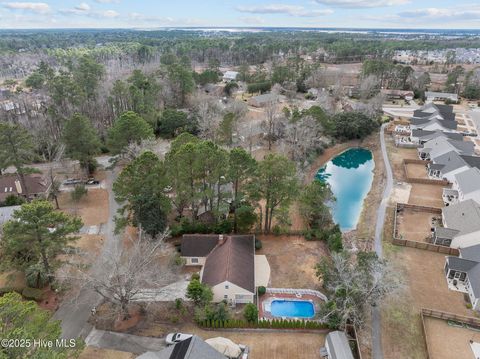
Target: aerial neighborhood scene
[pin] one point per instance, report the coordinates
(292, 179)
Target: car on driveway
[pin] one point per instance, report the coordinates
(174, 338)
(92, 181)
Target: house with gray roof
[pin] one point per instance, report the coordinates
(440, 96)
(466, 185)
(433, 117)
(420, 136)
(446, 166)
(461, 225)
(463, 273)
(191, 348)
(263, 100)
(336, 346)
(441, 145)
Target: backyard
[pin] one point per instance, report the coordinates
(415, 225)
(428, 195)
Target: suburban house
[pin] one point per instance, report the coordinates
(433, 117)
(420, 137)
(441, 145)
(263, 100)
(461, 225)
(229, 265)
(440, 96)
(229, 76)
(463, 273)
(466, 185)
(11, 185)
(397, 94)
(191, 348)
(446, 166)
(336, 346)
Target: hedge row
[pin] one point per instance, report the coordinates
(27, 293)
(264, 323)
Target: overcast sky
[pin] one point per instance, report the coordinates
(302, 13)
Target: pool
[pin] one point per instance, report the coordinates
(292, 309)
(350, 176)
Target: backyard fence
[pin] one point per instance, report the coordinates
(474, 322)
(315, 293)
(409, 179)
(397, 240)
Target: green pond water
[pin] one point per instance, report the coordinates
(350, 176)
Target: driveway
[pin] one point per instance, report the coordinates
(124, 342)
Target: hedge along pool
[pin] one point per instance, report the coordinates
(350, 176)
(292, 308)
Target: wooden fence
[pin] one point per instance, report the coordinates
(397, 240)
(474, 322)
(435, 182)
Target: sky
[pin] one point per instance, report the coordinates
(413, 14)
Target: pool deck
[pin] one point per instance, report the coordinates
(265, 300)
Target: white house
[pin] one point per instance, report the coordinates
(461, 225)
(463, 273)
(229, 76)
(466, 185)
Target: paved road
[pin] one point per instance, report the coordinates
(75, 313)
(377, 352)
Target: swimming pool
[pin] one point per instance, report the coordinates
(292, 309)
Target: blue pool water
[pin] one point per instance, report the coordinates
(350, 176)
(292, 308)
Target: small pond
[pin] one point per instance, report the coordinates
(350, 176)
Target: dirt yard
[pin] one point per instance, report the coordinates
(397, 155)
(416, 170)
(93, 208)
(273, 345)
(415, 225)
(96, 353)
(424, 286)
(292, 260)
(426, 195)
(446, 341)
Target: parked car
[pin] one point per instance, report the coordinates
(174, 338)
(92, 181)
(72, 181)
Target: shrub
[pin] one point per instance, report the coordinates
(195, 276)
(33, 294)
(178, 303)
(13, 200)
(258, 244)
(36, 276)
(250, 312)
(261, 290)
(5, 290)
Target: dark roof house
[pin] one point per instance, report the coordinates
(11, 185)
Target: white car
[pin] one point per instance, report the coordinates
(174, 338)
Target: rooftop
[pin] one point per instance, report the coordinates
(463, 216)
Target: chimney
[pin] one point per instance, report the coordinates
(221, 239)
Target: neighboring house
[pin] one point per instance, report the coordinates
(461, 225)
(263, 100)
(463, 273)
(336, 346)
(420, 137)
(397, 94)
(433, 117)
(229, 76)
(446, 166)
(11, 185)
(466, 185)
(440, 96)
(196, 247)
(441, 145)
(229, 265)
(192, 348)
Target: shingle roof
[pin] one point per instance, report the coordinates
(460, 264)
(11, 185)
(468, 180)
(192, 348)
(429, 135)
(471, 253)
(463, 216)
(450, 161)
(232, 261)
(442, 145)
(446, 233)
(472, 161)
(338, 345)
(198, 245)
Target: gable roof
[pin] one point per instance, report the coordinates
(191, 348)
(338, 345)
(11, 185)
(463, 216)
(470, 253)
(468, 180)
(198, 245)
(265, 98)
(441, 145)
(472, 161)
(232, 261)
(450, 161)
(430, 135)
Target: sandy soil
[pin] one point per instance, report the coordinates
(424, 286)
(95, 353)
(446, 341)
(415, 170)
(93, 208)
(426, 195)
(415, 225)
(292, 260)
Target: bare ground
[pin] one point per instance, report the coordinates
(416, 170)
(428, 195)
(415, 225)
(95, 353)
(93, 208)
